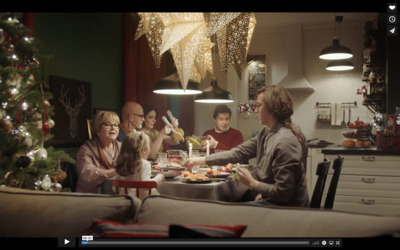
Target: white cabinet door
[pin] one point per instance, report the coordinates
(368, 184)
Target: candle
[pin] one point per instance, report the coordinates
(190, 150)
(208, 148)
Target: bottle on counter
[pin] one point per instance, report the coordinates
(397, 116)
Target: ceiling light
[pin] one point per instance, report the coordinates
(171, 85)
(340, 65)
(336, 51)
(214, 94)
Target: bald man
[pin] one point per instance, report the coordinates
(132, 119)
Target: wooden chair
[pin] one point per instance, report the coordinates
(133, 184)
(322, 172)
(330, 197)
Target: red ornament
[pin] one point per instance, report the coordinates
(45, 129)
(18, 118)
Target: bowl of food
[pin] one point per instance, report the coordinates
(198, 142)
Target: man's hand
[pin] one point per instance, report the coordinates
(245, 177)
(196, 161)
(211, 140)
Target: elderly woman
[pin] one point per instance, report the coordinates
(96, 159)
(280, 149)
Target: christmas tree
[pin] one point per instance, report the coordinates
(25, 112)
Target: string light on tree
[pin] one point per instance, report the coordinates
(25, 112)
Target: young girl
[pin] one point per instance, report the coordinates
(132, 163)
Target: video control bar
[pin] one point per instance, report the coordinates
(184, 242)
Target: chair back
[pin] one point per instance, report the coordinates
(330, 197)
(322, 172)
(117, 183)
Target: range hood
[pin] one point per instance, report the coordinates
(295, 80)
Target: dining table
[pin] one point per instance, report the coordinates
(221, 190)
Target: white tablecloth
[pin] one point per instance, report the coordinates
(230, 190)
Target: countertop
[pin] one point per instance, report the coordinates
(336, 150)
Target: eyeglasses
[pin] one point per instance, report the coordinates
(141, 116)
(109, 125)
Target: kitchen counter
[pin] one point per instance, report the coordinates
(336, 150)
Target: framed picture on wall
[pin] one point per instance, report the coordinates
(72, 108)
(257, 72)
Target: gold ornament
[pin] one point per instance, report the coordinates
(46, 104)
(5, 125)
(61, 175)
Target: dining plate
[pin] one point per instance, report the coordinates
(166, 174)
(220, 175)
(173, 168)
(197, 181)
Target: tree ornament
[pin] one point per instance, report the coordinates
(46, 104)
(51, 123)
(42, 153)
(8, 49)
(23, 161)
(33, 63)
(1, 36)
(55, 187)
(30, 81)
(5, 125)
(38, 117)
(45, 129)
(61, 176)
(27, 140)
(46, 183)
(18, 118)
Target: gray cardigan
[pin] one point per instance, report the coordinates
(279, 165)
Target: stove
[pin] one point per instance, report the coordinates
(318, 144)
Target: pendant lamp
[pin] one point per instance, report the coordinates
(171, 85)
(336, 51)
(214, 94)
(340, 65)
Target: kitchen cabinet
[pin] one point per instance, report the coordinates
(368, 183)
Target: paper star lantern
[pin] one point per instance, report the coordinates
(184, 53)
(234, 41)
(151, 25)
(203, 61)
(218, 20)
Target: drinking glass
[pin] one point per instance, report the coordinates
(162, 160)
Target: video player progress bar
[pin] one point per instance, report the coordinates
(280, 243)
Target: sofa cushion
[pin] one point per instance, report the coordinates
(29, 213)
(266, 221)
(101, 228)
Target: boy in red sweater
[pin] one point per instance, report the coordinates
(223, 136)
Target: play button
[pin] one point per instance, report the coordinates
(66, 242)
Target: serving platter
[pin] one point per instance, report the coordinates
(197, 181)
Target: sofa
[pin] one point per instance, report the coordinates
(28, 213)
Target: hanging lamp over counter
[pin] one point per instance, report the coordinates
(171, 85)
(340, 65)
(214, 94)
(336, 51)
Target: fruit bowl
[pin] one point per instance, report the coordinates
(197, 141)
(356, 143)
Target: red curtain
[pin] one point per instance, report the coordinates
(27, 20)
(141, 73)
